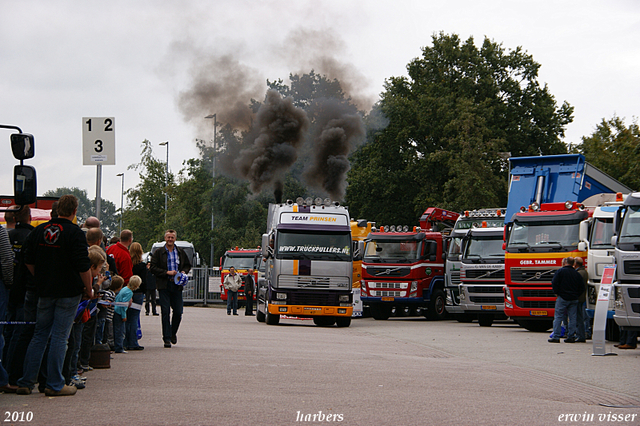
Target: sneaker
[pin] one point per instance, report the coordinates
(79, 378)
(86, 368)
(65, 391)
(570, 340)
(174, 339)
(147, 313)
(8, 388)
(553, 340)
(121, 352)
(78, 384)
(155, 314)
(167, 344)
(137, 348)
(23, 390)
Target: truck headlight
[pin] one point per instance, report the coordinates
(414, 285)
(507, 295)
(461, 296)
(343, 298)
(281, 296)
(619, 300)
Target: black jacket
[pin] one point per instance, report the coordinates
(567, 283)
(159, 267)
(59, 252)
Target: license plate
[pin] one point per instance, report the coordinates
(387, 299)
(538, 313)
(489, 307)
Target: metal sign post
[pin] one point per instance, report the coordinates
(600, 316)
(98, 147)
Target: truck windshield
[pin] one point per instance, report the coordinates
(601, 233)
(239, 261)
(556, 235)
(484, 247)
(630, 232)
(293, 244)
(455, 245)
(392, 251)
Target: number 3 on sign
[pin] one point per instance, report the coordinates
(98, 138)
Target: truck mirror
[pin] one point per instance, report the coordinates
(584, 230)
(504, 246)
(22, 145)
(582, 246)
(265, 245)
(24, 185)
(614, 240)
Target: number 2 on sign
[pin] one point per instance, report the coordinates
(108, 123)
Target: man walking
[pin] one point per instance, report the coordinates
(232, 283)
(166, 263)
(567, 286)
(584, 324)
(57, 256)
(249, 288)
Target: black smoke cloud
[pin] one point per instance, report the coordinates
(339, 129)
(280, 128)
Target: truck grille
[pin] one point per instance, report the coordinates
(455, 278)
(313, 298)
(635, 307)
(492, 274)
(387, 285)
(631, 267)
(485, 289)
(532, 275)
(306, 281)
(379, 293)
(486, 300)
(633, 292)
(388, 271)
(534, 304)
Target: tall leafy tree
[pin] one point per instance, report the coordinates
(449, 125)
(614, 148)
(108, 217)
(144, 214)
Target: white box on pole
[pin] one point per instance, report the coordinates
(98, 141)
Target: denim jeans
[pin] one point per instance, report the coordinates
(54, 320)
(170, 299)
(30, 310)
(582, 322)
(131, 326)
(73, 348)
(232, 302)
(565, 308)
(4, 295)
(100, 328)
(118, 332)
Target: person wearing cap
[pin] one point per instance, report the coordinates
(165, 265)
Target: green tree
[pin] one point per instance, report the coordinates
(86, 208)
(144, 214)
(614, 148)
(449, 125)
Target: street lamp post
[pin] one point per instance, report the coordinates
(166, 180)
(213, 167)
(121, 199)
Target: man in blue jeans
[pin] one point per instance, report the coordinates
(567, 285)
(56, 254)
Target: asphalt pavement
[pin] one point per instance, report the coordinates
(232, 370)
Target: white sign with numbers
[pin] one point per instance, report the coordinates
(98, 141)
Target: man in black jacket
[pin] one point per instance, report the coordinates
(567, 286)
(166, 263)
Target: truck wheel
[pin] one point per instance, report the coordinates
(485, 320)
(343, 321)
(437, 311)
(380, 312)
(537, 326)
(324, 321)
(272, 319)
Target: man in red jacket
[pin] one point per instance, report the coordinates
(120, 253)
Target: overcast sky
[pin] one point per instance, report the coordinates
(61, 61)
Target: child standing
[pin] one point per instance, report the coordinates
(117, 283)
(120, 312)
